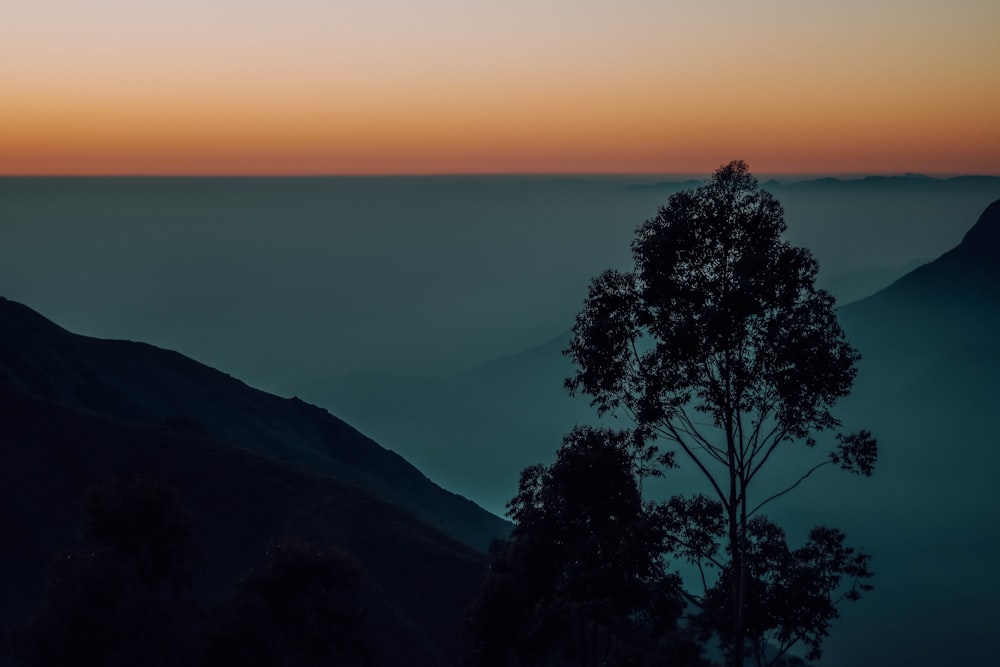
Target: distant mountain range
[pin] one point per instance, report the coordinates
(251, 467)
(908, 181)
(928, 385)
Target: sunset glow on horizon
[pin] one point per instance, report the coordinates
(219, 87)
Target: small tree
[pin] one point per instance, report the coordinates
(301, 608)
(719, 343)
(581, 581)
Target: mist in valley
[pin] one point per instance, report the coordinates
(286, 281)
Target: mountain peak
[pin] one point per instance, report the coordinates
(143, 384)
(983, 240)
(963, 284)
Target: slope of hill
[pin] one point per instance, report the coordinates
(881, 221)
(937, 310)
(927, 387)
(145, 384)
(476, 430)
(856, 285)
(417, 581)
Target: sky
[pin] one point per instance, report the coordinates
(451, 86)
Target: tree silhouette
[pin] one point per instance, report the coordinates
(719, 343)
(299, 609)
(144, 523)
(581, 580)
(119, 598)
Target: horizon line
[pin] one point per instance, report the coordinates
(480, 174)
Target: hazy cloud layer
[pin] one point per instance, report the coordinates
(283, 281)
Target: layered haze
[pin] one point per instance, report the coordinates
(287, 281)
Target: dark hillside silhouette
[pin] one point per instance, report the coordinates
(969, 272)
(146, 384)
(929, 382)
(948, 307)
(417, 581)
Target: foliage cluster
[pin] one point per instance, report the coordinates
(123, 597)
(580, 580)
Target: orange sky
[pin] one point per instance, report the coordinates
(449, 86)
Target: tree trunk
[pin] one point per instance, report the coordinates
(744, 547)
(737, 545)
(738, 584)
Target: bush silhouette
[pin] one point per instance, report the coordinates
(122, 597)
(119, 598)
(300, 608)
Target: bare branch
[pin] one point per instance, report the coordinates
(763, 413)
(778, 434)
(691, 429)
(703, 556)
(675, 436)
(781, 493)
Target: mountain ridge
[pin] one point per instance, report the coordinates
(907, 181)
(953, 300)
(147, 384)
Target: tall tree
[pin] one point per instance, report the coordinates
(719, 343)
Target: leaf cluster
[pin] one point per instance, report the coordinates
(793, 594)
